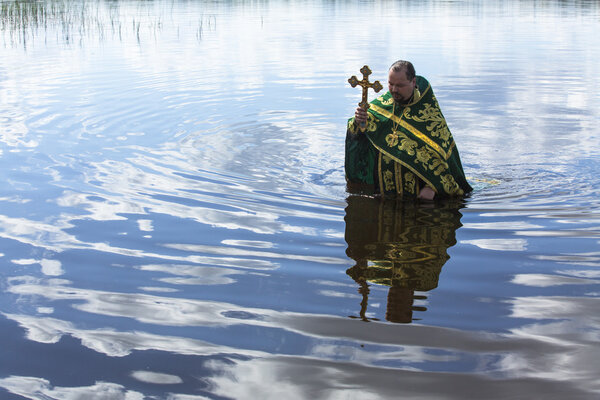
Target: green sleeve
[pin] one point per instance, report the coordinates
(360, 157)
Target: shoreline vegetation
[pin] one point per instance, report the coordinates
(27, 23)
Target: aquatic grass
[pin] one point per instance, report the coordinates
(25, 22)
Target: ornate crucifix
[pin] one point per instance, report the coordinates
(365, 84)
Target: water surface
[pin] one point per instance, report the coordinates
(174, 222)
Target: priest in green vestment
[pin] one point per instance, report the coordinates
(402, 145)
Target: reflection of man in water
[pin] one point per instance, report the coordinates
(406, 148)
(399, 245)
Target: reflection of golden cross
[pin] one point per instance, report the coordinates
(365, 84)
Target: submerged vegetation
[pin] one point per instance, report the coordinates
(26, 22)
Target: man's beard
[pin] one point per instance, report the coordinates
(402, 100)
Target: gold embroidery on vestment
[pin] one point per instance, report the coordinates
(398, 176)
(388, 177)
(409, 167)
(392, 139)
(450, 185)
(421, 134)
(438, 131)
(410, 182)
(379, 174)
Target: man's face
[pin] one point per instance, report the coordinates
(400, 87)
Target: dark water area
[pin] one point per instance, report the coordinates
(174, 221)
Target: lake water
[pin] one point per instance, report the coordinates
(174, 222)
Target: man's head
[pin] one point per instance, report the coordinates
(402, 81)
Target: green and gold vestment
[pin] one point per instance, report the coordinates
(404, 146)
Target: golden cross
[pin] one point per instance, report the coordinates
(365, 84)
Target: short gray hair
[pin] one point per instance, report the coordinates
(402, 65)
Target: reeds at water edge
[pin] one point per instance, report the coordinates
(26, 22)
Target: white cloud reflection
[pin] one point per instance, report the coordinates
(301, 378)
(571, 323)
(501, 225)
(558, 355)
(156, 378)
(192, 274)
(589, 259)
(198, 248)
(36, 388)
(115, 343)
(53, 237)
(546, 280)
(49, 267)
(498, 244)
(145, 225)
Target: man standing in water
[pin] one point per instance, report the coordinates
(402, 146)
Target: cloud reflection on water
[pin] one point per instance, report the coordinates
(52, 237)
(107, 146)
(32, 387)
(545, 280)
(542, 353)
(499, 244)
(192, 274)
